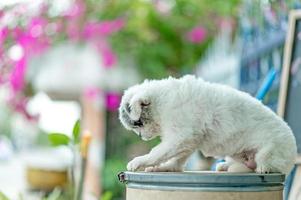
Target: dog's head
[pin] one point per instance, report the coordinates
(136, 113)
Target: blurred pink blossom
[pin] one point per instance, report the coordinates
(1, 13)
(92, 93)
(17, 76)
(17, 32)
(37, 26)
(31, 45)
(109, 58)
(197, 34)
(19, 104)
(77, 9)
(3, 34)
(102, 29)
(91, 30)
(108, 27)
(36, 37)
(112, 101)
(43, 8)
(73, 30)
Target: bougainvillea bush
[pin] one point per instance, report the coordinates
(160, 37)
(30, 30)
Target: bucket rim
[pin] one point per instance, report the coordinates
(208, 178)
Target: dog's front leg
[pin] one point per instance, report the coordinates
(159, 154)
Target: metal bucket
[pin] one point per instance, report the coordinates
(202, 186)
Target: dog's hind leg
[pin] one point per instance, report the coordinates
(268, 160)
(232, 165)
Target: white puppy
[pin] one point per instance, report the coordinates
(190, 114)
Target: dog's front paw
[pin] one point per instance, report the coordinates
(136, 164)
(163, 169)
(152, 169)
(262, 169)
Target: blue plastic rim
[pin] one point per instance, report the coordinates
(203, 181)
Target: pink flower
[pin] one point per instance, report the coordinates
(109, 57)
(17, 76)
(36, 26)
(108, 27)
(92, 93)
(74, 30)
(34, 38)
(3, 35)
(102, 29)
(97, 33)
(112, 101)
(33, 45)
(19, 104)
(197, 34)
(17, 32)
(91, 30)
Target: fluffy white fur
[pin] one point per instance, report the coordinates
(190, 114)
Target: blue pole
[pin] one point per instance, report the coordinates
(267, 84)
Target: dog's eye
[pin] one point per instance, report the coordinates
(128, 108)
(144, 104)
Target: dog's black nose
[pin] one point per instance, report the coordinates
(138, 123)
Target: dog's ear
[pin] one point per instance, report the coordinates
(137, 103)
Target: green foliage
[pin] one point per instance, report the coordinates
(108, 195)
(3, 197)
(58, 139)
(109, 176)
(56, 194)
(76, 132)
(156, 41)
(6, 119)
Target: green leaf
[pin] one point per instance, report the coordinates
(57, 139)
(54, 195)
(76, 132)
(108, 195)
(3, 197)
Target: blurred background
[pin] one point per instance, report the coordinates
(64, 60)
